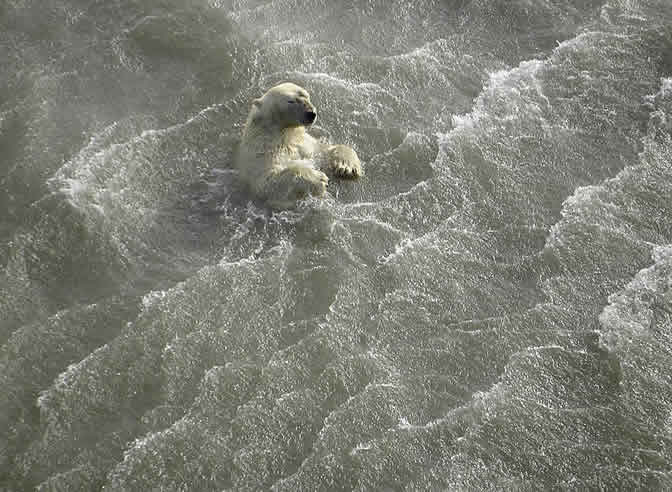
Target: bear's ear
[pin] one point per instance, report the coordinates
(255, 112)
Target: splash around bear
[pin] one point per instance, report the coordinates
(279, 160)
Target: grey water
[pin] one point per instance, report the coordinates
(488, 308)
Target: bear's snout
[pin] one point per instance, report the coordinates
(309, 116)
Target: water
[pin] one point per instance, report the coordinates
(489, 308)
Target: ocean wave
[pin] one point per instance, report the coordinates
(486, 308)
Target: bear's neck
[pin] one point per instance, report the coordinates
(270, 138)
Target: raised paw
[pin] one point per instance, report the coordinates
(344, 163)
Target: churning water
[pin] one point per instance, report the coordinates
(490, 307)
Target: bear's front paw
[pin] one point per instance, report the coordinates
(319, 182)
(310, 181)
(344, 163)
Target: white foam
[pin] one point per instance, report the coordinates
(153, 297)
(629, 313)
(332, 80)
(360, 447)
(500, 83)
(666, 86)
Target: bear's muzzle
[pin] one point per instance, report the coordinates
(309, 117)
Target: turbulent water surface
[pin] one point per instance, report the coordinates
(489, 307)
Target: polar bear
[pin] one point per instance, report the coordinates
(279, 160)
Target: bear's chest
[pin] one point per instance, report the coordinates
(291, 150)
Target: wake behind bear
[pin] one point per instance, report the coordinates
(279, 160)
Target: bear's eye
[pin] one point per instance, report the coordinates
(291, 101)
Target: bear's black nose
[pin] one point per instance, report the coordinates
(310, 116)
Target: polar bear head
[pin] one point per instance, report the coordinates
(283, 106)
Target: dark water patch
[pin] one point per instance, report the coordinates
(36, 353)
